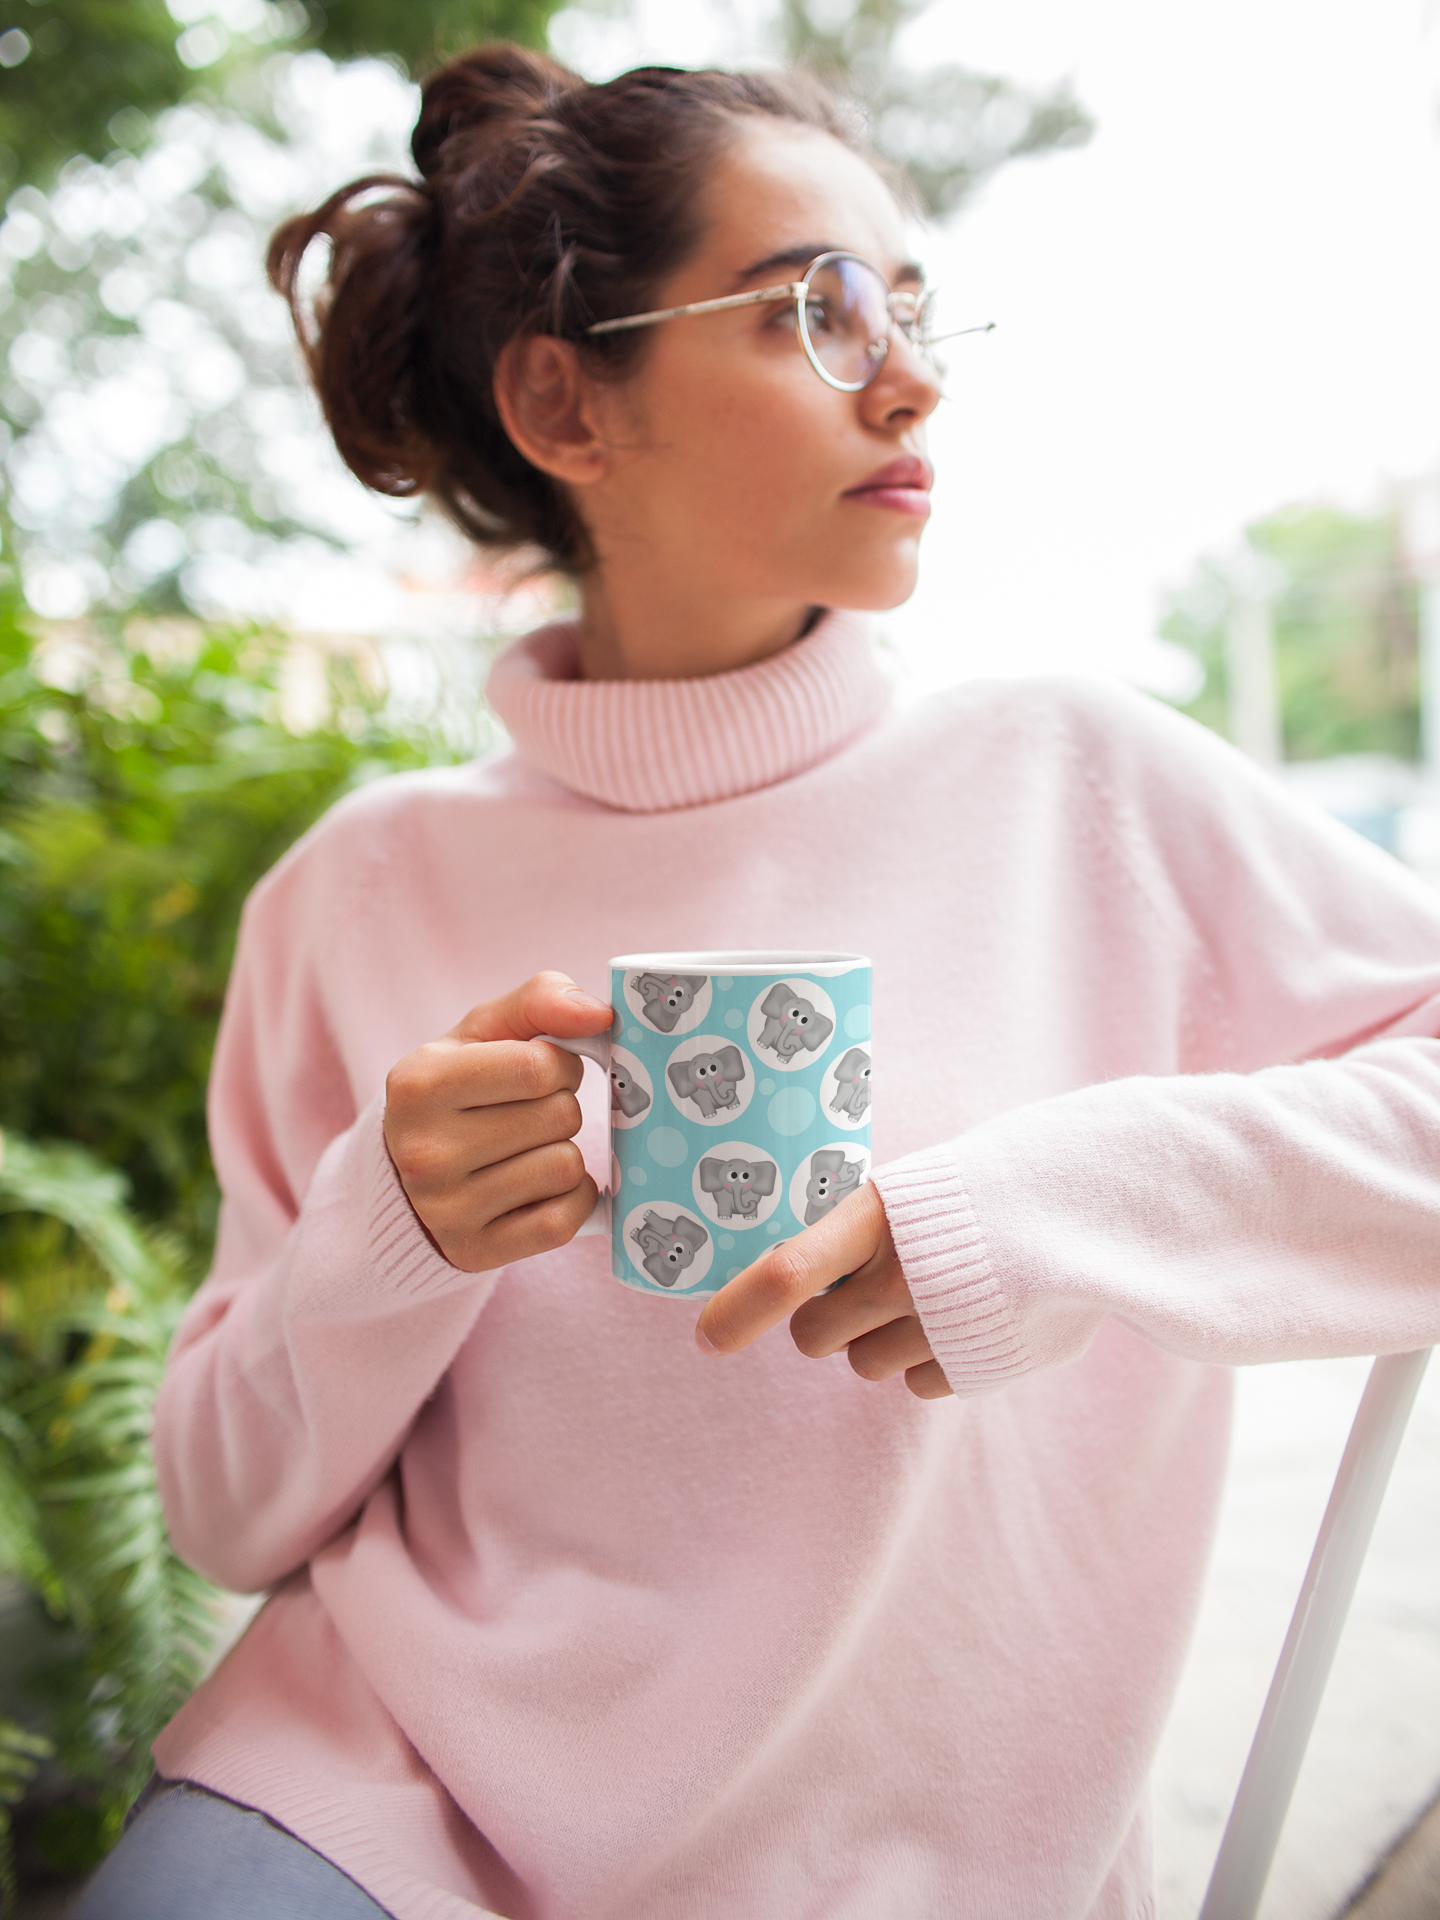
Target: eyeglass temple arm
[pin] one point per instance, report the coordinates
(792, 291)
(959, 333)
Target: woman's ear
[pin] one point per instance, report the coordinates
(547, 406)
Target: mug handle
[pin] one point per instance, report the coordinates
(596, 1047)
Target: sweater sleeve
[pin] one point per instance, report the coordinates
(328, 1316)
(1291, 1213)
(1280, 1199)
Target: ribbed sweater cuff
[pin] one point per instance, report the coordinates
(967, 1318)
(396, 1242)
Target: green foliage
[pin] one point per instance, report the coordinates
(1346, 624)
(95, 69)
(88, 60)
(137, 809)
(949, 128)
(83, 1338)
(20, 1756)
(422, 35)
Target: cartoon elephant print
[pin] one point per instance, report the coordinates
(667, 996)
(669, 1246)
(738, 1185)
(711, 1080)
(852, 1085)
(627, 1096)
(832, 1176)
(792, 1023)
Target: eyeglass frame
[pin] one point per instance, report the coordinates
(797, 290)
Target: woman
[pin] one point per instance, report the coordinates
(573, 1613)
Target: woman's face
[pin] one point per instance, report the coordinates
(729, 456)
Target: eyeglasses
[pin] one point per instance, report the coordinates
(844, 313)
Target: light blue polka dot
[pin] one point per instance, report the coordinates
(725, 981)
(637, 1176)
(767, 1086)
(666, 1146)
(633, 1034)
(774, 1229)
(734, 1273)
(857, 1021)
(792, 1111)
(724, 1239)
(734, 1018)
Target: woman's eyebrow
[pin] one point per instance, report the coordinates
(801, 256)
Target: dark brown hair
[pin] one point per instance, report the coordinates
(544, 204)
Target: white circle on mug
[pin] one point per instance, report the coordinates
(737, 1185)
(667, 1002)
(668, 1245)
(790, 1024)
(631, 1094)
(824, 1178)
(710, 1080)
(845, 1090)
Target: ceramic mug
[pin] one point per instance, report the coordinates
(739, 1108)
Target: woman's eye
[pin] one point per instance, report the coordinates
(817, 315)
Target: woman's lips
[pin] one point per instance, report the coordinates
(903, 486)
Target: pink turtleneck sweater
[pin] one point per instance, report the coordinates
(571, 1623)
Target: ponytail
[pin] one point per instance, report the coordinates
(543, 204)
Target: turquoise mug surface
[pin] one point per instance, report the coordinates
(739, 1108)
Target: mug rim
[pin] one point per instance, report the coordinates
(743, 962)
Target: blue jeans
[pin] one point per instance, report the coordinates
(189, 1855)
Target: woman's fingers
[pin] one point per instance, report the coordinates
(928, 1382)
(539, 1226)
(785, 1277)
(871, 1314)
(440, 1151)
(546, 1003)
(892, 1348)
(480, 1125)
(870, 1298)
(461, 1218)
(450, 1076)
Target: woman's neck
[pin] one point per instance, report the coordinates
(646, 634)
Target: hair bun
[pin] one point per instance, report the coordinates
(485, 91)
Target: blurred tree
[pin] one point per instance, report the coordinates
(79, 76)
(949, 127)
(1346, 624)
(116, 1629)
(165, 447)
(139, 803)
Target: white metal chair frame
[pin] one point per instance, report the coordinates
(1262, 1800)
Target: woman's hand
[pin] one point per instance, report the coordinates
(872, 1314)
(481, 1125)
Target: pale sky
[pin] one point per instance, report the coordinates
(1228, 301)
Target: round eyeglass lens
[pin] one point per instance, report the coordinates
(845, 321)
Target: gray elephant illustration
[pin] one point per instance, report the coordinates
(792, 1023)
(711, 1080)
(627, 1096)
(669, 1246)
(738, 1185)
(832, 1176)
(667, 996)
(852, 1084)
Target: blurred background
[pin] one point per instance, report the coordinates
(1200, 451)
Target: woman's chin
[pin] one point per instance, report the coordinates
(876, 589)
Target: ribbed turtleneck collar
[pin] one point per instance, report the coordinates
(650, 745)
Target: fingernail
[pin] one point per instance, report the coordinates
(705, 1346)
(579, 993)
